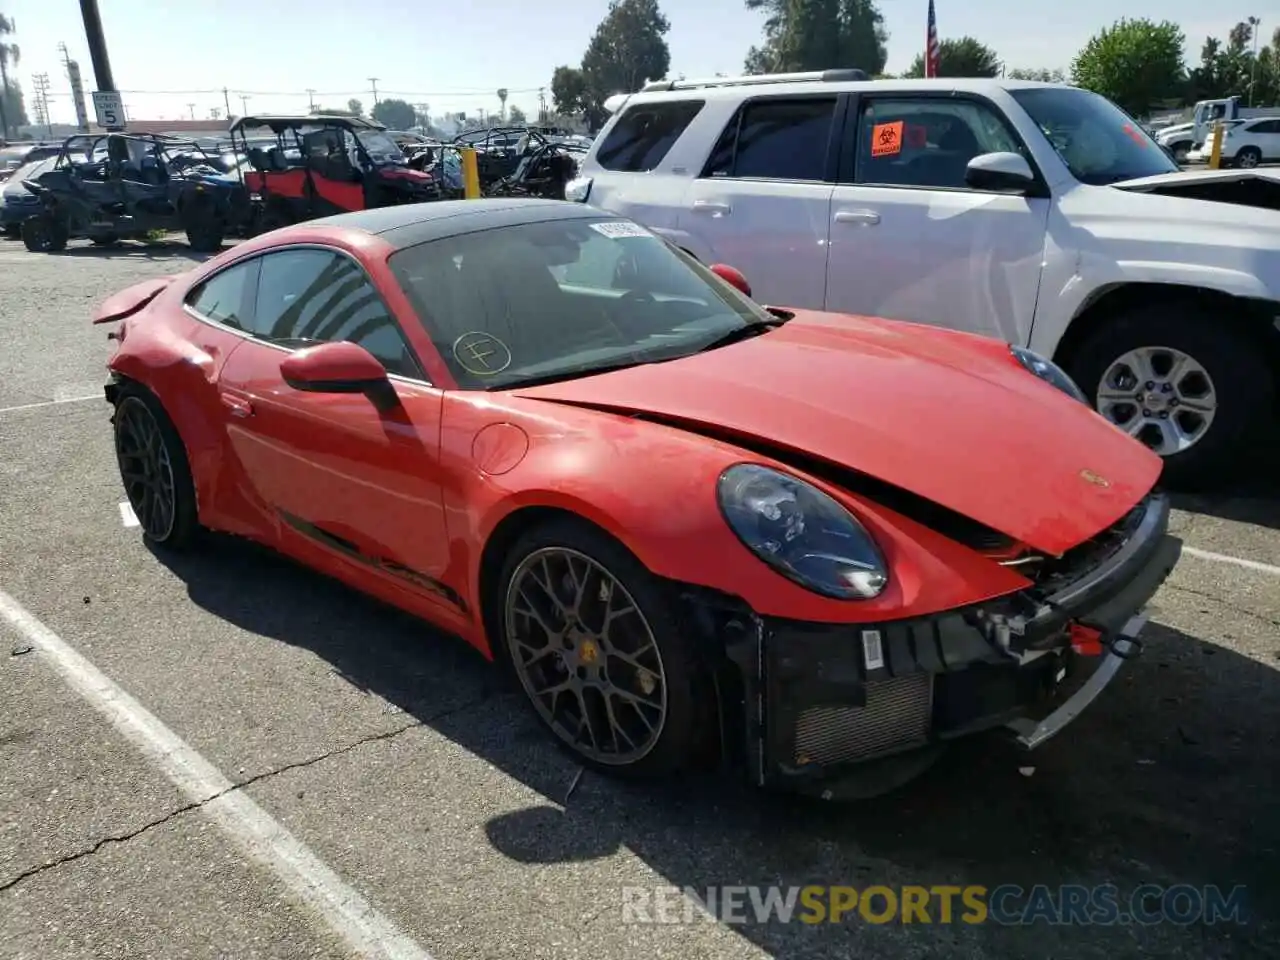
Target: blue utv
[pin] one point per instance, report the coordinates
(118, 186)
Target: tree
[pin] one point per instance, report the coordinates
(355, 107)
(395, 114)
(818, 35)
(9, 56)
(515, 115)
(568, 89)
(1230, 69)
(628, 49)
(965, 57)
(1135, 63)
(1043, 74)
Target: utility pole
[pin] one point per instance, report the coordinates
(542, 104)
(106, 83)
(192, 108)
(244, 103)
(226, 101)
(77, 88)
(311, 100)
(373, 82)
(40, 83)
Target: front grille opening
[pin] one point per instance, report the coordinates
(1055, 572)
(897, 717)
(939, 519)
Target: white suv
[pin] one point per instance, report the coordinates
(1037, 213)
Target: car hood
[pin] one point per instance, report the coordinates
(1250, 188)
(949, 417)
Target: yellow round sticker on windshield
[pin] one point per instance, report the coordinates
(481, 354)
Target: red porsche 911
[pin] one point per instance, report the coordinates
(694, 528)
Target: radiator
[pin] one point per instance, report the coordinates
(897, 715)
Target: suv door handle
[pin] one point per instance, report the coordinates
(712, 207)
(867, 217)
(237, 406)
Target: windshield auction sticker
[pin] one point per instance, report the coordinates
(886, 139)
(481, 354)
(616, 229)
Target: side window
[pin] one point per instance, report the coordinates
(927, 143)
(645, 133)
(776, 139)
(314, 296)
(1266, 126)
(222, 297)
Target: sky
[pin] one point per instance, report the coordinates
(172, 59)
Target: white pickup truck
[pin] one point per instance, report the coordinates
(1037, 213)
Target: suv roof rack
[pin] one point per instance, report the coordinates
(825, 76)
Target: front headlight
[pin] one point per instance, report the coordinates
(801, 532)
(1048, 371)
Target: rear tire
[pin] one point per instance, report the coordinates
(1248, 157)
(1214, 402)
(154, 469)
(205, 228)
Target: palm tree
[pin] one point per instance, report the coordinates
(9, 53)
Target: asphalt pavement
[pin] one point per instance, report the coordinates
(370, 784)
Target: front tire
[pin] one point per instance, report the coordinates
(154, 469)
(1174, 376)
(590, 635)
(44, 234)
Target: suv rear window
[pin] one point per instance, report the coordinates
(645, 133)
(776, 139)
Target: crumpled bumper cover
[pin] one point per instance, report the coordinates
(822, 704)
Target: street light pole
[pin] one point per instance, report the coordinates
(1253, 71)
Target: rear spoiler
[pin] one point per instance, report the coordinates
(130, 300)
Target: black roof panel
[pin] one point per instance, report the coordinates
(406, 225)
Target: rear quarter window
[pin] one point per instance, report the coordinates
(645, 133)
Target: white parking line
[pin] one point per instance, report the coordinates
(366, 931)
(51, 403)
(1257, 565)
(127, 516)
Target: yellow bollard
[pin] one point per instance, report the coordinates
(470, 174)
(1215, 153)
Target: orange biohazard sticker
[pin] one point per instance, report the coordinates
(886, 139)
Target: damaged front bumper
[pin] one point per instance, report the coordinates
(853, 710)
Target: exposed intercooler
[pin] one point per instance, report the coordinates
(897, 716)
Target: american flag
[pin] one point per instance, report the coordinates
(932, 52)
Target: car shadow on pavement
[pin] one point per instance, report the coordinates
(1253, 496)
(1168, 779)
(126, 250)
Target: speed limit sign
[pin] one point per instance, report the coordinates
(109, 108)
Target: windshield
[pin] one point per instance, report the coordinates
(1098, 141)
(563, 298)
(380, 146)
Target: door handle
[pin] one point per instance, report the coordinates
(866, 217)
(237, 406)
(712, 206)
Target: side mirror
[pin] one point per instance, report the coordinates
(1005, 172)
(732, 277)
(338, 367)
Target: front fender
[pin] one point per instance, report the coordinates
(654, 489)
(1091, 282)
